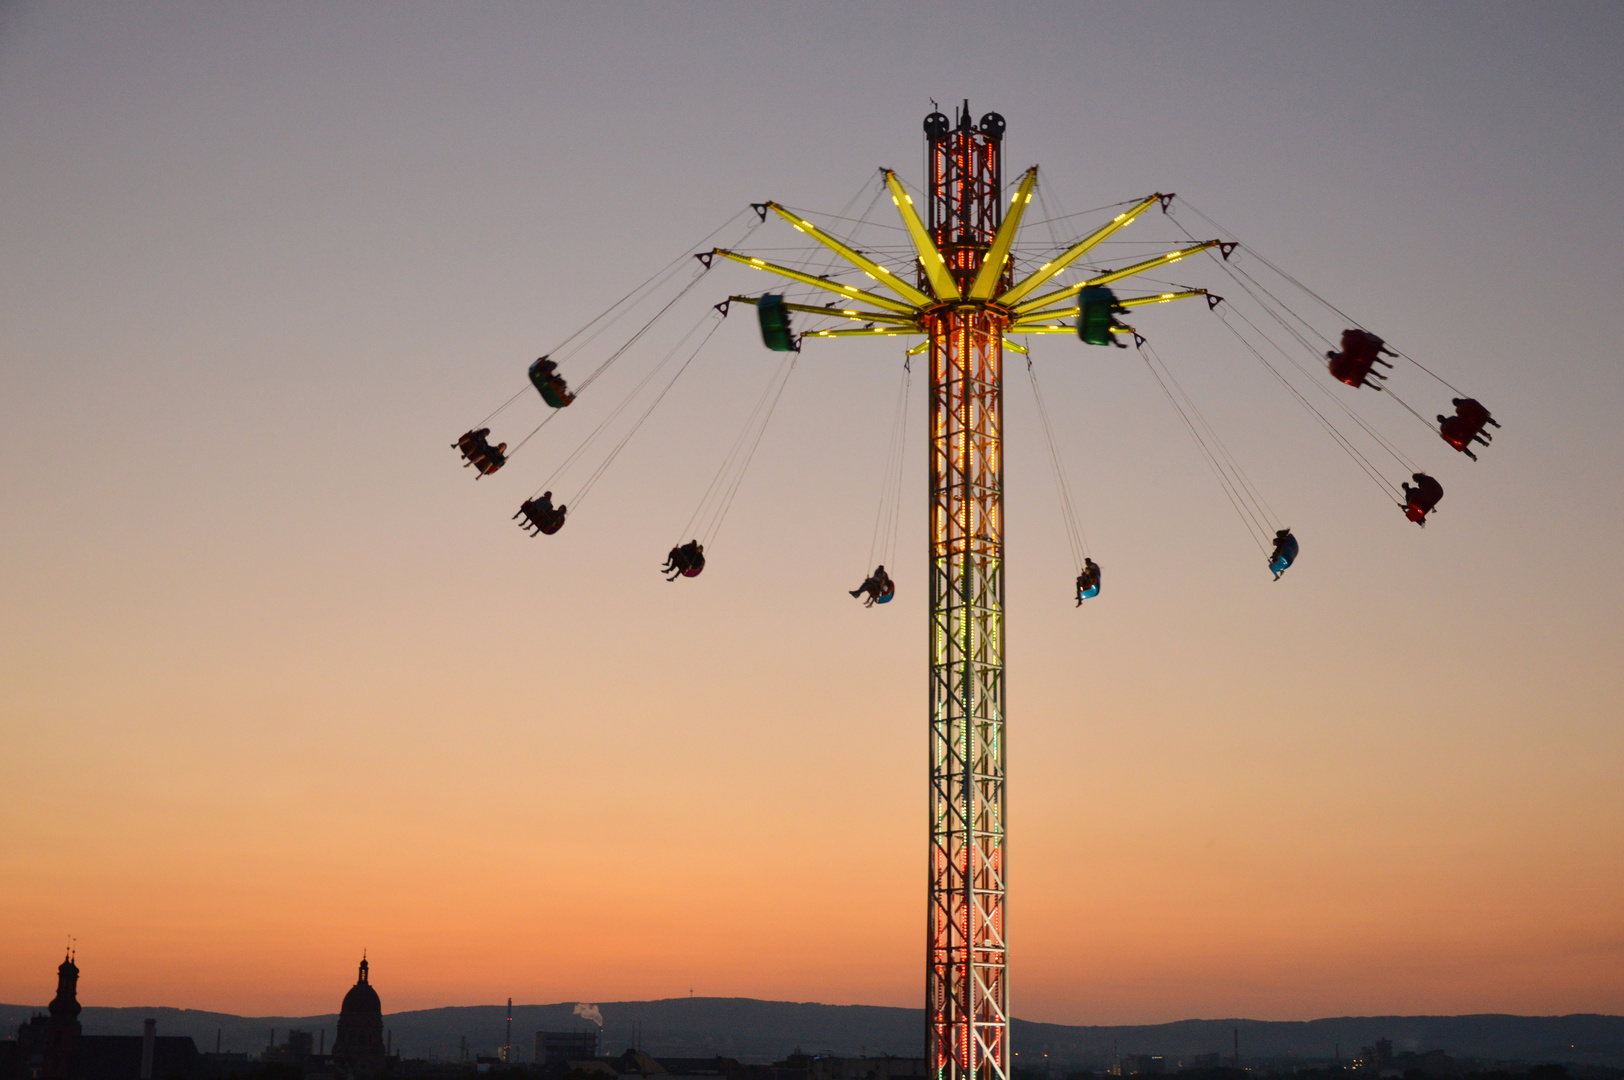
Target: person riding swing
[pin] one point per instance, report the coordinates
(1088, 582)
(541, 516)
(1284, 554)
(1466, 426)
(1421, 499)
(878, 586)
(684, 560)
(1356, 363)
(479, 453)
(545, 378)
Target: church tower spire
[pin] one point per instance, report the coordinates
(63, 1030)
(64, 1008)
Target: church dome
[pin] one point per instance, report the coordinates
(361, 1001)
(359, 1039)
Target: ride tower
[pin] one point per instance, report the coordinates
(956, 287)
(966, 989)
(964, 301)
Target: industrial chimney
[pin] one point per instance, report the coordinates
(149, 1043)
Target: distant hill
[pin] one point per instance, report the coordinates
(752, 1030)
(1583, 1038)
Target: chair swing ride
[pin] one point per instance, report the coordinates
(964, 279)
(965, 300)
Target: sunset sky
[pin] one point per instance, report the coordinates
(279, 681)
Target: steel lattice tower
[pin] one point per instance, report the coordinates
(963, 301)
(967, 990)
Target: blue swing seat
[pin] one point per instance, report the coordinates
(1287, 556)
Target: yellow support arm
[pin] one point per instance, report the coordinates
(992, 264)
(850, 292)
(941, 282)
(1075, 252)
(1012, 346)
(1064, 328)
(1161, 298)
(1073, 312)
(845, 313)
(877, 331)
(917, 349)
(1105, 279)
(862, 262)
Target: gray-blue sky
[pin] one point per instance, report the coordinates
(260, 264)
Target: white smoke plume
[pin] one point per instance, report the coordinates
(589, 1012)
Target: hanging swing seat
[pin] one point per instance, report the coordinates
(1285, 552)
(1422, 498)
(541, 516)
(1460, 433)
(1468, 425)
(1097, 309)
(554, 390)
(774, 319)
(1356, 363)
(480, 453)
(877, 588)
(1088, 582)
(685, 560)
